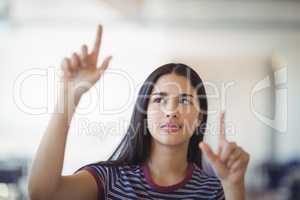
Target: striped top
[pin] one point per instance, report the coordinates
(135, 182)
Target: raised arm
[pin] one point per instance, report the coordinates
(80, 72)
(230, 164)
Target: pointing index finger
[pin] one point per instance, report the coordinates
(98, 40)
(222, 136)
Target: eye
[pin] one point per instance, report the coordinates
(157, 100)
(185, 101)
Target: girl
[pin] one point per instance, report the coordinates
(160, 155)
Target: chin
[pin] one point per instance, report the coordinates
(171, 139)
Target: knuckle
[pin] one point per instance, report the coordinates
(232, 145)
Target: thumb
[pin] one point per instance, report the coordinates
(103, 67)
(213, 159)
(206, 149)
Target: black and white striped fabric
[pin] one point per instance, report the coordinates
(135, 182)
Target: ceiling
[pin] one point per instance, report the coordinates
(194, 13)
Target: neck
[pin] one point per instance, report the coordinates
(168, 161)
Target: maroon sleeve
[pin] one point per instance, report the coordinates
(99, 180)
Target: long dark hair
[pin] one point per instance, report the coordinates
(134, 148)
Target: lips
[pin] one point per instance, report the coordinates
(171, 127)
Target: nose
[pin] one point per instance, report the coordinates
(171, 115)
(171, 111)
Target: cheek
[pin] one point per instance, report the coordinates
(190, 122)
(153, 119)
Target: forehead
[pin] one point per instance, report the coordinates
(173, 84)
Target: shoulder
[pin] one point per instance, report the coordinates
(105, 169)
(105, 173)
(108, 166)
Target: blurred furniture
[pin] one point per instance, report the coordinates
(11, 173)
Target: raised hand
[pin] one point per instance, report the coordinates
(80, 71)
(230, 162)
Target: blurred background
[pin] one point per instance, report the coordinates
(247, 52)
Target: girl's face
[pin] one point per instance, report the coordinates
(173, 110)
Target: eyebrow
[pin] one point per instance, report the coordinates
(166, 94)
